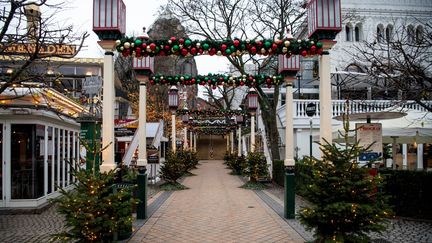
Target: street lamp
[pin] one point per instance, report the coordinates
(298, 76)
(143, 67)
(173, 101)
(185, 120)
(252, 102)
(109, 23)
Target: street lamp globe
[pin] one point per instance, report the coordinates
(252, 100)
(173, 98)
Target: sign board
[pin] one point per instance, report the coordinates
(152, 156)
(366, 134)
(91, 85)
(310, 109)
(44, 49)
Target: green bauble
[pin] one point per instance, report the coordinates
(188, 42)
(319, 45)
(175, 48)
(206, 46)
(228, 51)
(267, 44)
(138, 42)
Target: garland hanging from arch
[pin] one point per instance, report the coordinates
(139, 47)
(211, 113)
(217, 79)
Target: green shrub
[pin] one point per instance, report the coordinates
(410, 192)
(189, 159)
(238, 164)
(173, 168)
(256, 166)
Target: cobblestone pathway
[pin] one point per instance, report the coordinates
(215, 209)
(30, 227)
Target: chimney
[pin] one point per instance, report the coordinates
(33, 15)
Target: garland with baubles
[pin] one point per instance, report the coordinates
(141, 47)
(214, 80)
(211, 113)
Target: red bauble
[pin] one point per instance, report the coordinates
(313, 48)
(167, 47)
(223, 47)
(236, 43)
(200, 51)
(181, 41)
(193, 51)
(242, 83)
(162, 53)
(253, 50)
(202, 83)
(138, 52)
(274, 47)
(320, 51)
(152, 82)
(184, 52)
(152, 46)
(126, 52)
(214, 87)
(304, 53)
(268, 80)
(144, 46)
(173, 39)
(192, 81)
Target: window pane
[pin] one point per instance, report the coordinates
(50, 158)
(27, 161)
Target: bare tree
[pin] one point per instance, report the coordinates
(245, 19)
(399, 62)
(28, 38)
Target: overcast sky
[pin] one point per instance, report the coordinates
(139, 13)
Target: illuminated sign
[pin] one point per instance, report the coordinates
(44, 49)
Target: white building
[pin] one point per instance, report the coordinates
(363, 20)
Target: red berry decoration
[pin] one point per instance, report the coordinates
(181, 41)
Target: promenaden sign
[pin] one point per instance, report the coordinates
(44, 49)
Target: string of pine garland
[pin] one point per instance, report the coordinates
(141, 47)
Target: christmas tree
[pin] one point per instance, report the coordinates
(346, 199)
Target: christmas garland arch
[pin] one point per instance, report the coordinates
(217, 79)
(141, 47)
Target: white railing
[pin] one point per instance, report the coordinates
(355, 106)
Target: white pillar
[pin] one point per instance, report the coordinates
(232, 141)
(394, 149)
(195, 142)
(420, 156)
(404, 156)
(239, 148)
(227, 142)
(252, 149)
(108, 112)
(173, 133)
(185, 143)
(142, 123)
(289, 127)
(325, 99)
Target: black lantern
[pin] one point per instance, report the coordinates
(252, 100)
(173, 98)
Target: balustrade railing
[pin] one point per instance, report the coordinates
(355, 106)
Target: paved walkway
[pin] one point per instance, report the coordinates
(215, 209)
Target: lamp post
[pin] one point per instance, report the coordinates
(324, 22)
(108, 32)
(288, 67)
(239, 120)
(143, 67)
(252, 106)
(173, 101)
(185, 120)
(191, 139)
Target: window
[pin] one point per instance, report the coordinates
(27, 161)
(348, 33)
(419, 34)
(410, 34)
(357, 32)
(380, 33)
(389, 33)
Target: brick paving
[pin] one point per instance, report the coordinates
(215, 209)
